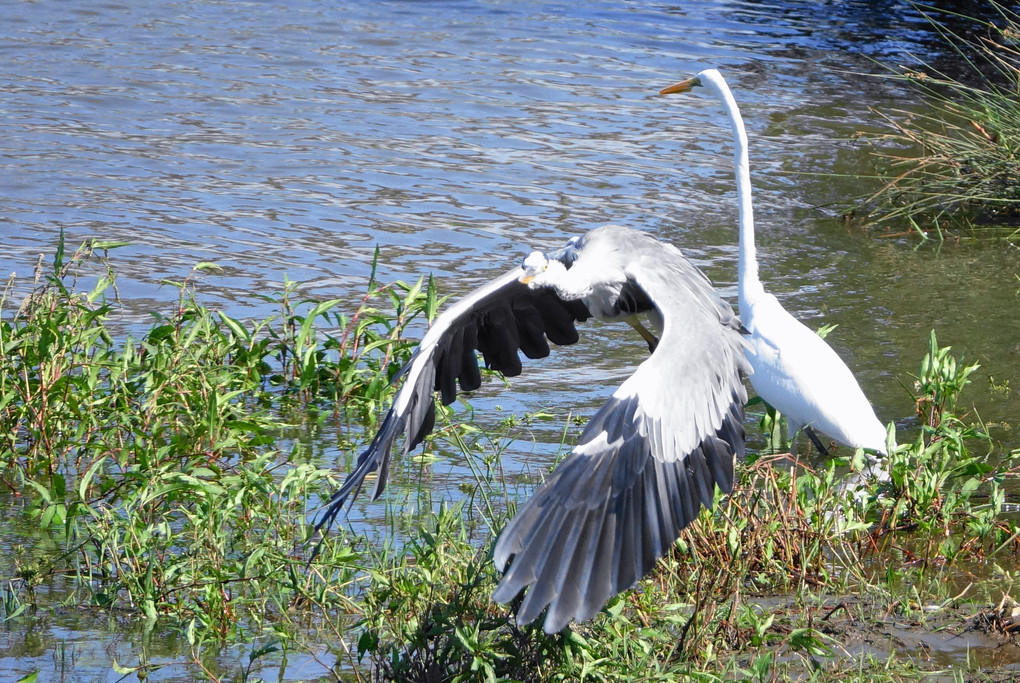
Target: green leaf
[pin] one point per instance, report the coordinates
(124, 669)
(86, 480)
(810, 641)
(43, 492)
(307, 325)
(236, 328)
(58, 256)
(368, 641)
(109, 244)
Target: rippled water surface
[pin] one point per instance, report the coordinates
(292, 139)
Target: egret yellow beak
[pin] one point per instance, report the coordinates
(682, 86)
(525, 279)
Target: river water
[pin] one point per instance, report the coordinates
(291, 140)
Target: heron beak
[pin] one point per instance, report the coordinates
(525, 279)
(682, 86)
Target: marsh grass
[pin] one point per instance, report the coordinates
(750, 589)
(153, 470)
(153, 463)
(956, 164)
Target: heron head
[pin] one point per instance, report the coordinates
(534, 264)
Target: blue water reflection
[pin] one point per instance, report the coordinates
(292, 139)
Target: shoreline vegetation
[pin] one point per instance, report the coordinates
(163, 481)
(952, 165)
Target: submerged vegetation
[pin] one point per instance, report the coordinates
(957, 162)
(164, 481)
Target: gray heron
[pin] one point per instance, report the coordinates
(647, 461)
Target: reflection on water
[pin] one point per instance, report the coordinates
(292, 139)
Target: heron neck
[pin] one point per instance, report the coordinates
(749, 286)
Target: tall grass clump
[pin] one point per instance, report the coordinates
(157, 466)
(957, 162)
(946, 491)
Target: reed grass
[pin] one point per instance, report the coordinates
(955, 164)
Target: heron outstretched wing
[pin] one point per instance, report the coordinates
(645, 464)
(498, 319)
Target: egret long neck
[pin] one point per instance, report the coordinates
(749, 285)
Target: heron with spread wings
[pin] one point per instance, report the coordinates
(649, 459)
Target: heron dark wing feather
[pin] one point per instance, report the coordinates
(623, 508)
(575, 572)
(629, 542)
(532, 330)
(598, 588)
(499, 320)
(555, 558)
(499, 340)
(470, 377)
(427, 425)
(449, 366)
(701, 475)
(652, 530)
(731, 432)
(558, 316)
(632, 300)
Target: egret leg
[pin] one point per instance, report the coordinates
(652, 340)
(816, 441)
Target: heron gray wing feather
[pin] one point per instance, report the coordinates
(645, 464)
(605, 515)
(702, 352)
(498, 319)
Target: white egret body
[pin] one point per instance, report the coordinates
(795, 370)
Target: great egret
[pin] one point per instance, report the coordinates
(647, 461)
(795, 370)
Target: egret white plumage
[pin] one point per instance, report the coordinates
(795, 370)
(648, 460)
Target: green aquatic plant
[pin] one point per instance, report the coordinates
(789, 529)
(947, 488)
(956, 162)
(166, 486)
(155, 462)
